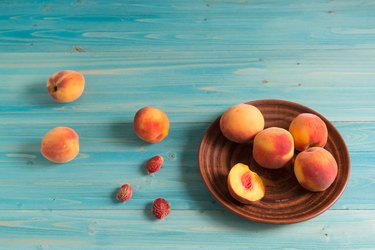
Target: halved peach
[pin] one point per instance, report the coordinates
(245, 185)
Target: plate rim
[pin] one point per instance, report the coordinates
(288, 220)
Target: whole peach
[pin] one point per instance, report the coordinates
(273, 147)
(241, 122)
(315, 169)
(308, 130)
(60, 145)
(66, 86)
(151, 124)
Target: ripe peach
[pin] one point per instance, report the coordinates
(245, 185)
(273, 147)
(60, 145)
(315, 169)
(66, 85)
(308, 130)
(151, 124)
(241, 122)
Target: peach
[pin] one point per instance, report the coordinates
(315, 169)
(273, 147)
(66, 86)
(151, 124)
(60, 145)
(308, 130)
(245, 185)
(241, 122)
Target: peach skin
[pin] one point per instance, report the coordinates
(60, 145)
(66, 86)
(273, 147)
(315, 169)
(151, 124)
(308, 130)
(241, 122)
(245, 185)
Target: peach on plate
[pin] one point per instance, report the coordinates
(308, 130)
(315, 169)
(245, 185)
(60, 145)
(273, 147)
(151, 124)
(241, 122)
(66, 85)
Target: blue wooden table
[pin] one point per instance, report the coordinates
(192, 59)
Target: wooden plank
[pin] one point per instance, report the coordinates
(106, 71)
(199, 85)
(206, 229)
(178, 25)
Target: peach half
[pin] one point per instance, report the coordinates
(151, 124)
(241, 122)
(66, 86)
(315, 169)
(308, 130)
(60, 145)
(273, 147)
(245, 185)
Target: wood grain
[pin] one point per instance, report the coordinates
(202, 25)
(107, 229)
(178, 81)
(193, 59)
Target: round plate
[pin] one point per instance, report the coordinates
(285, 201)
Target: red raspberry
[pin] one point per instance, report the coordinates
(124, 193)
(154, 164)
(161, 208)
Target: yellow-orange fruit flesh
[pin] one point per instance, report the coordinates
(245, 185)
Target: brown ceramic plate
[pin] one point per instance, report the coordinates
(285, 200)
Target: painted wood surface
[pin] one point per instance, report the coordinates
(192, 59)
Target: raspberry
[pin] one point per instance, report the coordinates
(161, 208)
(154, 164)
(124, 193)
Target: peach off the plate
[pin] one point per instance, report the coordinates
(285, 199)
